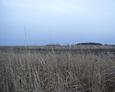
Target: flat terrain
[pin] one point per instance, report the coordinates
(75, 49)
(57, 68)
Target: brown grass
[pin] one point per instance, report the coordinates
(35, 72)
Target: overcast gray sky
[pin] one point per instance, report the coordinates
(38, 22)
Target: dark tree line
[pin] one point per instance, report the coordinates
(90, 43)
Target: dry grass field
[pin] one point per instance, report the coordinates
(28, 71)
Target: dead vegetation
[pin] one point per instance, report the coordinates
(51, 72)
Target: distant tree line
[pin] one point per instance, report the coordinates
(90, 43)
(87, 43)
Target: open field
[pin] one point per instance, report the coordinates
(75, 49)
(57, 69)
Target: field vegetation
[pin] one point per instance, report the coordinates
(26, 71)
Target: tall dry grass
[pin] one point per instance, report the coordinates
(35, 72)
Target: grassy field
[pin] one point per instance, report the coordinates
(32, 71)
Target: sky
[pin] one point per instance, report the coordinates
(41, 22)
